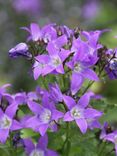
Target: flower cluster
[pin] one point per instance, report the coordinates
(74, 57)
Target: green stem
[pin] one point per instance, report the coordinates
(66, 145)
(68, 140)
(12, 149)
(90, 84)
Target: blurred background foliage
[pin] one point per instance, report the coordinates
(86, 14)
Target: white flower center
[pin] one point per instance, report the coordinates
(5, 122)
(38, 64)
(56, 61)
(76, 112)
(36, 152)
(78, 67)
(45, 116)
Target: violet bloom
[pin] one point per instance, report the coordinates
(79, 111)
(112, 137)
(46, 116)
(106, 129)
(93, 123)
(7, 123)
(92, 37)
(111, 67)
(27, 6)
(55, 93)
(53, 62)
(47, 33)
(91, 9)
(20, 49)
(81, 65)
(20, 98)
(3, 90)
(39, 149)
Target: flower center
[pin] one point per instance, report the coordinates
(38, 64)
(45, 116)
(37, 153)
(77, 67)
(76, 112)
(5, 122)
(56, 61)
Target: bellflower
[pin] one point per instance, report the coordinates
(39, 149)
(53, 62)
(20, 49)
(20, 98)
(112, 137)
(92, 37)
(111, 67)
(79, 111)
(55, 93)
(47, 33)
(46, 116)
(89, 13)
(7, 123)
(81, 67)
(93, 123)
(105, 129)
(3, 90)
(26, 6)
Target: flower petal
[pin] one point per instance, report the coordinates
(91, 113)
(82, 124)
(90, 74)
(76, 82)
(67, 117)
(69, 101)
(34, 107)
(3, 135)
(43, 128)
(15, 125)
(29, 146)
(43, 142)
(84, 100)
(35, 31)
(51, 153)
(56, 114)
(11, 110)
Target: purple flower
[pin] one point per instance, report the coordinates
(92, 37)
(20, 98)
(47, 33)
(53, 62)
(20, 49)
(111, 67)
(3, 90)
(65, 30)
(7, 123)
(27, 6)
(40, 65)
(93, 123)
(46, 115)
(55, 93)
(79, 111)
(5, 98)
(112, 137)
(81, 65)
(89, 13)
(106, 129)
(39, 149)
